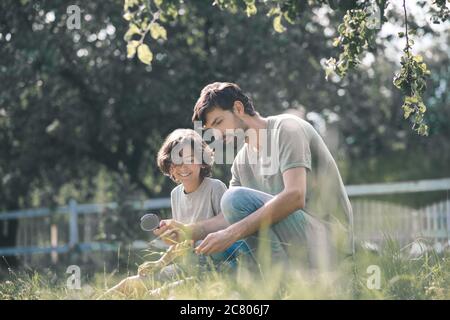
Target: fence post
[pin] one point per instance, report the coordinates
(447, 211)
(73, 223)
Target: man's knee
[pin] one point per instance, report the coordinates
(231, 204)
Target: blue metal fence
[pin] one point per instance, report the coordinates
(74, 210)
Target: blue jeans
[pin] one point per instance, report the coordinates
(227, 258)
(284, 237)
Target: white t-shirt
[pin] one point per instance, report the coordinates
(203, 203)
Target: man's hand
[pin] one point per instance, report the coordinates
(216, 242)
(171, 231)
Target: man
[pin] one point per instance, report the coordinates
(297, 201)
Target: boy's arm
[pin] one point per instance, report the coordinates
(195, 231)
(199, 230)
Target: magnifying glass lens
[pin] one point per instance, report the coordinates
(149, 222)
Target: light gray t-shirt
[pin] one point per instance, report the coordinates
(203, 203)
(293, 142)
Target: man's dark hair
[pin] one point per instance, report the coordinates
(221, 95)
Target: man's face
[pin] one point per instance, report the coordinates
(224, 122)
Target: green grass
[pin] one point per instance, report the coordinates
(402, 277)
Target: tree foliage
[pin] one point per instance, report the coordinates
(361, 23)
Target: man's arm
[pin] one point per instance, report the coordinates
(292, 198)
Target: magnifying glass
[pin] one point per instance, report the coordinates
(149, 222)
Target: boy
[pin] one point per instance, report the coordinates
(187, 160)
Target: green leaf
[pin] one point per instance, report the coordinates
(129, 3)
(407, 110)
(418, 58)
(422, 107)
(274, 11)
(128, 16)
(251, 9)
(51, 128)
(172, 11)
(132, 30)
(418, 118)
(277, 25)
(411, 100)
(144, 54)
(288, 18)
(423, 130)
(131, 48)
(336, 41)
(157, 31)
(330, 67)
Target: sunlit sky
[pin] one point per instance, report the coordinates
(422, 42)
(394, 49)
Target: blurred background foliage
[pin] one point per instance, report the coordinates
(80, 120)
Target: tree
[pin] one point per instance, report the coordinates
(357, 33)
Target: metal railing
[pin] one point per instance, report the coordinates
(74, 210)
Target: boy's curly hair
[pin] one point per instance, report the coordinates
(181, 138)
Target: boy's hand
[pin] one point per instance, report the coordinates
(171, 231)
(147, 268)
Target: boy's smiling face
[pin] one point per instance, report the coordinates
(188, 171)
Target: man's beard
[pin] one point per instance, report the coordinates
(236, 137)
